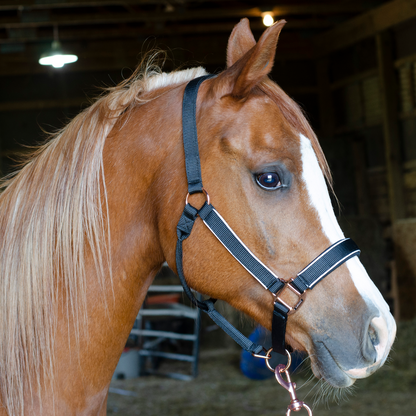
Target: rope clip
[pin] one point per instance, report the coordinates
(295, 404)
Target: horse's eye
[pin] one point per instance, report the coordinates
(269, 180)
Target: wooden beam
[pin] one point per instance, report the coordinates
(43, 104)
(366, 25)
(67, 19)
(116, 30)
(390, 125)
(108, 54)
(282, 10)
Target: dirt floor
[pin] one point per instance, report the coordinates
(221, 390)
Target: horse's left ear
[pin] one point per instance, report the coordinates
(259, 61)
(240, 42)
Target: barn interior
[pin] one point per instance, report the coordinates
(351, 65)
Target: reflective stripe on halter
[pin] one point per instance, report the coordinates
(320, 267)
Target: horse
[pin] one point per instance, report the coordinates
(89, 219)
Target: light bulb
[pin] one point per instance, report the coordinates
(56, 57)
(58, 60)
(268, 19)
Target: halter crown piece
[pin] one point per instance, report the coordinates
(306, 279)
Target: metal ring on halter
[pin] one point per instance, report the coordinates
(206, 196)
(308, 409)
(268, 356)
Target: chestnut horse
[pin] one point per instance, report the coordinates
(90, 218)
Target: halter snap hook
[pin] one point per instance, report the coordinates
(295, 404)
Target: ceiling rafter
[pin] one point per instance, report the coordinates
(78, 32)
(284, 9)
(365, 25)
(88, 28)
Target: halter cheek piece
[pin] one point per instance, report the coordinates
(313, 273)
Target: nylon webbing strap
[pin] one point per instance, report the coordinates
(227, 237)
(183, 230)
(325, 263)
(188, 217)
(238, 249)
(190, 137)
(279, 321)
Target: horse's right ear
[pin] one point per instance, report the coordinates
(240, 42)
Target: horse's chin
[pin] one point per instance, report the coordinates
(335, 377)
(324, 366)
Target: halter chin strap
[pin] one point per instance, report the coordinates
(320, 267)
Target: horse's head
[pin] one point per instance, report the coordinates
(265, 173)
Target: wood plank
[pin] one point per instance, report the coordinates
(116, 29)
(390, 125)
(360, 173)
(404, 237)
(43, 104)
(354, 78)
(112, 54)
(326, 108)
(287, 9)
(368, 24)
(159, 18)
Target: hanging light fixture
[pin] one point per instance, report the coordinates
(268, 18)
(56, 56)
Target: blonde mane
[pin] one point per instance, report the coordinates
(50, 211)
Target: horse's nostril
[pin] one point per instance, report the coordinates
(372, 333)
(371, 343)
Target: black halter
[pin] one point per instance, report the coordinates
(324, 264)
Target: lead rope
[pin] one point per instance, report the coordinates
(320, 267)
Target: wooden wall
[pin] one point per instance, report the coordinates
(371, 94)
(404, 281)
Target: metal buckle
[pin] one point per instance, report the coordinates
(301, 296)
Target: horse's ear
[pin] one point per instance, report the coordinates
(240, 42)
(251, 65)
(259, 61)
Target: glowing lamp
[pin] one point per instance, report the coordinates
(268, 18)
(57, 57)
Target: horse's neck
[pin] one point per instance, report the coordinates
(135, 165)
(142, 164)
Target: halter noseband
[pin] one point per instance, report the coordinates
(320, 267)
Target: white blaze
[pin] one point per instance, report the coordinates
(384, 324)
